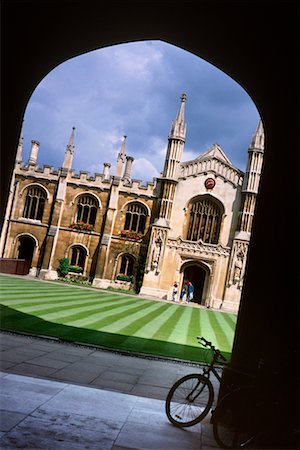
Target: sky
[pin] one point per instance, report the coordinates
(134, 89)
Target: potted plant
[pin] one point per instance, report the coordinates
(131, 235)
(81, 226)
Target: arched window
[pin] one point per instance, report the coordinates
(78, 255)
(205, 221)
(135, 218)
(34, 203)
(86, 209)
(126, 265)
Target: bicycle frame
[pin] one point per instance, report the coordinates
(216, 357)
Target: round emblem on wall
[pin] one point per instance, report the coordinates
(209, 183)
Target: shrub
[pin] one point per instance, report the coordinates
(76, 269)
(64, 267)
(123, 278)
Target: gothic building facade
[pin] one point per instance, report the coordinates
(192, 223)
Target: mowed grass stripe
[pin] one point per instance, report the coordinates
(231, 320)
(85, 315)
(57, 289)
(108, 319)
(194, 328)
(141, 321)
(49, 307)
(74, 310)
(180, 331)
(224, 324)
(41, 294)
(166, 328)
(221, 339)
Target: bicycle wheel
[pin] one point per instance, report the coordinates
(189, 400)
(232, 422)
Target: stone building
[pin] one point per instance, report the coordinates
(192, 223)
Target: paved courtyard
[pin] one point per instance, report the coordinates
(56, 395)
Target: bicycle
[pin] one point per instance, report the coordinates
(191, 397)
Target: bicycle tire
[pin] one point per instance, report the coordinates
(186, 412)
(233, 422)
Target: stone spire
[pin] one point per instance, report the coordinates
(121, 159)
(258, 139)
(167, 184)
(178, 128)
(251, 181)
(69, 153)
(255, 160)
(175, 144)
(20, 145)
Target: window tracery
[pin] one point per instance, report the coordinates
(34, 203)
(135, 218)
(204, 221)
(86, 210)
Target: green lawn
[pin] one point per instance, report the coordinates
(123, 322)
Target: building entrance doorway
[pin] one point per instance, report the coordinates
(196, 275)
(26, 248)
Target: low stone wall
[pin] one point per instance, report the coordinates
(14, 266)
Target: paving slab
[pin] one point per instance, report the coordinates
(78, 397)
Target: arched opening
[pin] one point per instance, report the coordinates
(197, 275)
(34, 203)
(78, 256)
(126, 265)
(135, 218)
(26, 247)
(86, 210)
(205, 215)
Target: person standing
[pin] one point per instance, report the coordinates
(190, 292)
(174, 292)
(183, 293)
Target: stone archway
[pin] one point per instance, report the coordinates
(26, 246)
(198, 276)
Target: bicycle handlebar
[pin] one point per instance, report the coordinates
(207, 343)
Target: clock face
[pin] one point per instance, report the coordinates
(209, 183)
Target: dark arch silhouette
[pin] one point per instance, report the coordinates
(253, 42)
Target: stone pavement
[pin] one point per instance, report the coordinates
(57, 395)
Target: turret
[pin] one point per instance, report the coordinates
(69, 153)
(255, 160)
(167, 184)
(238, 258)
(127, 173)
(106, 167)
(35, 145)
(121, 159)
(176, 142)
(252, 179)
